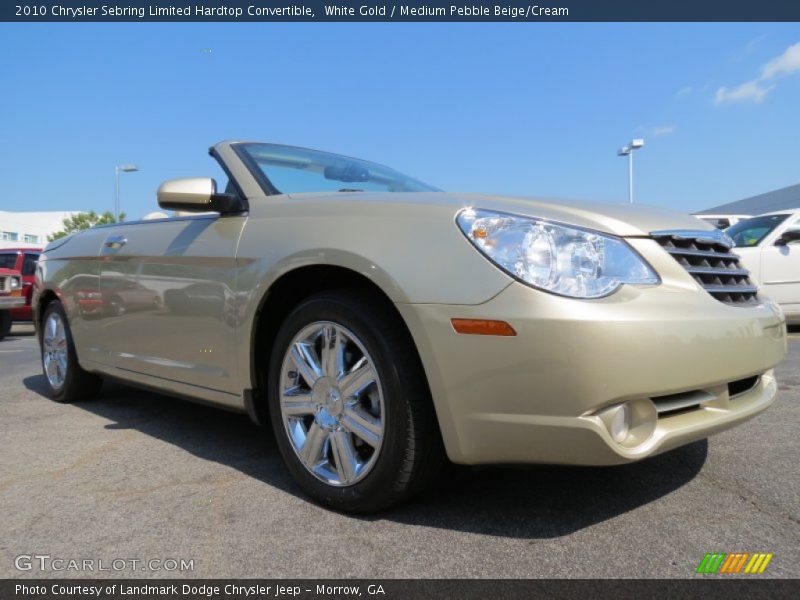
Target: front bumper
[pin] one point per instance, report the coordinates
(533, 398)
(8, 302)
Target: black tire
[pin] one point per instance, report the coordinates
(117, 306)
(5, 323)
(78, 384)
(412, 452)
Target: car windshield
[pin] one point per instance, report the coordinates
(290, 170)
(750, 232)
(8, 260)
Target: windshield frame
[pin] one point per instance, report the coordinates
(778, 222)
(269, 189)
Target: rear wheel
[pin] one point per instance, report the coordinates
(349, 404)
(66, 380)
(5, 323)
(116, 306)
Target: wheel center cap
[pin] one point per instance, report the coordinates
(329, 399)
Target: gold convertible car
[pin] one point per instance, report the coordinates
(382, 326)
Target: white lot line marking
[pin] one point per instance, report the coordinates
(11, 351)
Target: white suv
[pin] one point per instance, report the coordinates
(769, 246)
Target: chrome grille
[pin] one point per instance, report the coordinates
(4, 286)
(707, 256)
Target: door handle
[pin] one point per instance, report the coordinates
(115, 241)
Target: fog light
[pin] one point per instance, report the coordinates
(630, 423)
(620, 423)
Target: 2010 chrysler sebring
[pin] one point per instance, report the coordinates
(382, 325)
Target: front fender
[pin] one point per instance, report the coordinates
(413, 251)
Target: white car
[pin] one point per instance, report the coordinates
(722, 221)
(769, 247)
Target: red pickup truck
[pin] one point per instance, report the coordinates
(11, 298)
(24, 261)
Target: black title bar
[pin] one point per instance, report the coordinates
(532, 11)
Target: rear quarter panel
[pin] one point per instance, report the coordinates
(65, 270)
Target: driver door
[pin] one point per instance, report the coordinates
(168, 290)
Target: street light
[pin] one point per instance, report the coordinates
(117, 169)
(628, 151)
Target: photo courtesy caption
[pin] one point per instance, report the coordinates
(192, 590)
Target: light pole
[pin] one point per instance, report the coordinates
(628, 151)
(117, 169)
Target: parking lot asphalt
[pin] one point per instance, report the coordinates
(136, 475)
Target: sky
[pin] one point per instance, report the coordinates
(515, 109)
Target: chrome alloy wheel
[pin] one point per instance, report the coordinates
(332, 403)
(54, 350)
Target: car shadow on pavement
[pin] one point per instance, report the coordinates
(544, 501)
(517, 502)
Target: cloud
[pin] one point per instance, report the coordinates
(750, 91)
(683, 92)
(658, 130)
(757, 89)
(785, 64)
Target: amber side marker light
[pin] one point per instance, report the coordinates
(483, 327)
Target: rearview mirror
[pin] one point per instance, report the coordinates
(348, 173)
(788, 236)
(196, 194)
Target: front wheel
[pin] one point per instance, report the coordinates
(5, 323)
(66, 380)
(349, 405)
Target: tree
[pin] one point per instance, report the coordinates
(84, 220)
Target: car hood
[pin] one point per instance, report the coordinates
(620, 219)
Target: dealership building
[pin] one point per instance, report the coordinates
(782, 199)
(30, 229)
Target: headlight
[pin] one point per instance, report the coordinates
(15, 284)
(556, 258)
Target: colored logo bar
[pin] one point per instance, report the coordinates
(738, 562)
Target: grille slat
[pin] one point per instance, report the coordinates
(704, 253)
(706, 256)
(718, 271)
(3, 284)
(730, 289)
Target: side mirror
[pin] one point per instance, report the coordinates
(788, 236)
(196, 194)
